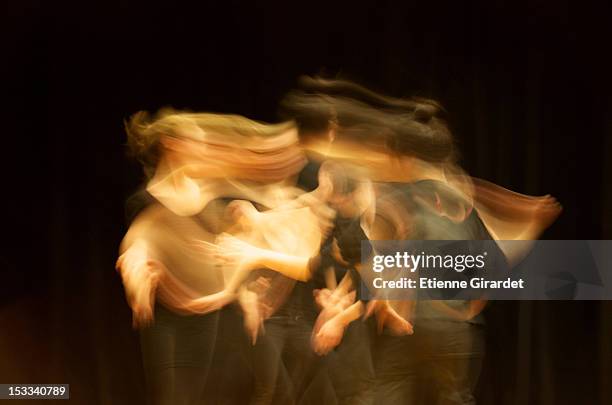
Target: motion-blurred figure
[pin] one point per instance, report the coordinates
(196, 165)
(422, 194)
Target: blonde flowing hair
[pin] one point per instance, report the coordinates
(145, 132)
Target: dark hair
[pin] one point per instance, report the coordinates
(357, 92)
(412, 126)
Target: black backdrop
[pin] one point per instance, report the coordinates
(525, 83)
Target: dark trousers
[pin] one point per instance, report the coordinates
(285, 368)
(439, 364)
(177, 352)
(351, 365)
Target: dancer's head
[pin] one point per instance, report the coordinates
(338, 110)
(191, 159)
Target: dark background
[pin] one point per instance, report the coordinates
(525, 83)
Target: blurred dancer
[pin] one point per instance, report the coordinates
(423, 195)
(295, 332)
(196, 165)
(286, 368)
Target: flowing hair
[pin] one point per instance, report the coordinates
(144, 133)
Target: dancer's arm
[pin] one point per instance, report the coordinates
(140, 274)
(247, 257)
(348, 315)
(296, 267)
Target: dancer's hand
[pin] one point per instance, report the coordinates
(231, 251)
(333, 301)
(332, 305)
(323, 297)
(140, 277)
(142, 303)
(328, 337)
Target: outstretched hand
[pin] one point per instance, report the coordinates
(231, 251)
